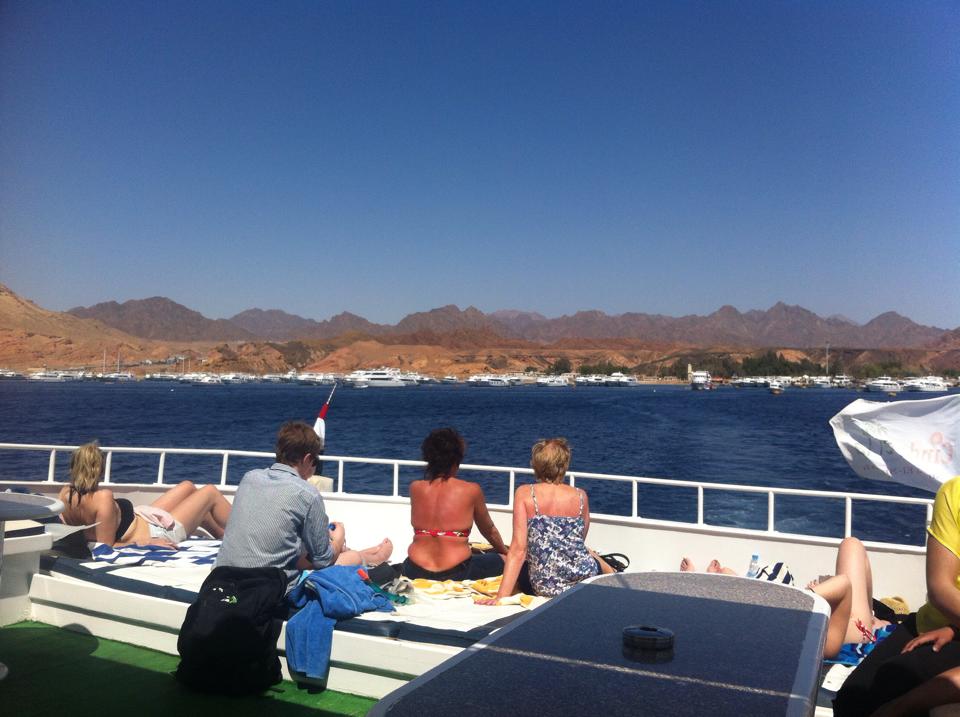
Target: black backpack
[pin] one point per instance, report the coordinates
(228, 640)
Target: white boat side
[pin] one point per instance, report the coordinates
(884, 384)
(701, 380)
(926, 384)
(373, 666)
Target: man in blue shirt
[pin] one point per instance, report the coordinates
(278, 519)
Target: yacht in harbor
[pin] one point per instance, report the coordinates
(487, 379)
(380, 378)
(926, 384)
(701, 380)
(884, 384)
(553, 382)
(46, 376)
(592, 380)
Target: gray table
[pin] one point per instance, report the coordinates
(742, 647)
(22, 506)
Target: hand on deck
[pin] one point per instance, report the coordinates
(488, 601)
(939, 637)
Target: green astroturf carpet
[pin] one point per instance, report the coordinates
(59, 672)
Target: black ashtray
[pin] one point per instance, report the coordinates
(647, 643)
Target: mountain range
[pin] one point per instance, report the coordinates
(781, 325)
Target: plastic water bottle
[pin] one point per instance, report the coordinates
(754, 566)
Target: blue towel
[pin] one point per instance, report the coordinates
(323, 597)
(852, 653)
(189, 553)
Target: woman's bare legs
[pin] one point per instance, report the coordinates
(838, 594)
(194, 507)
(852, 561)
(369, 556)
(850, 595)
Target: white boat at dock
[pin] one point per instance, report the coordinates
(701, 380)
(118, 377)
(380, 378)
(553, 382)
(49, 376)
(488, 380)
(312, 378)
(926, 384)
(884, 384)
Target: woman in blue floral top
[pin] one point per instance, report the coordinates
(550, 524)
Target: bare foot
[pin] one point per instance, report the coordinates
(379, 553)
(714, 566)
(686, 566)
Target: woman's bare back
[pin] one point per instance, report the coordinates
(445, 505)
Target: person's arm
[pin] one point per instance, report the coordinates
(939, 637)
(321, 545)
(942, 570)
(586, 513)
(106, 514)
(517, 553)
(481, 516)
(944, 689)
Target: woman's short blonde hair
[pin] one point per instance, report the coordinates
(550, 459)
(86, 469)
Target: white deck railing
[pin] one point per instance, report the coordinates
(342, 461)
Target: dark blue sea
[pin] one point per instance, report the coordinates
(744, 436)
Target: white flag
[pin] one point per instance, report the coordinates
(909, 442)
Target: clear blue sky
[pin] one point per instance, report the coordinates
(391, 157)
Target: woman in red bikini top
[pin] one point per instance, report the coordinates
(443, 509)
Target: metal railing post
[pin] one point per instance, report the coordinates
(848, 517)
(699, 505)
(223, 469)
(339, 476)
(636, 495)
(163, 463)
(107, 466)
(52, 468)
(770, 518)
(396, 480)
(513, 489)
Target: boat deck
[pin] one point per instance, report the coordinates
(54, 670)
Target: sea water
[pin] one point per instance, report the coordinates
(743, 436)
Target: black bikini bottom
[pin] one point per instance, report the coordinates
(473, 568)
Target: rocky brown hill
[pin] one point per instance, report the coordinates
(162, 319)
(280, 326)
(780, 325)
